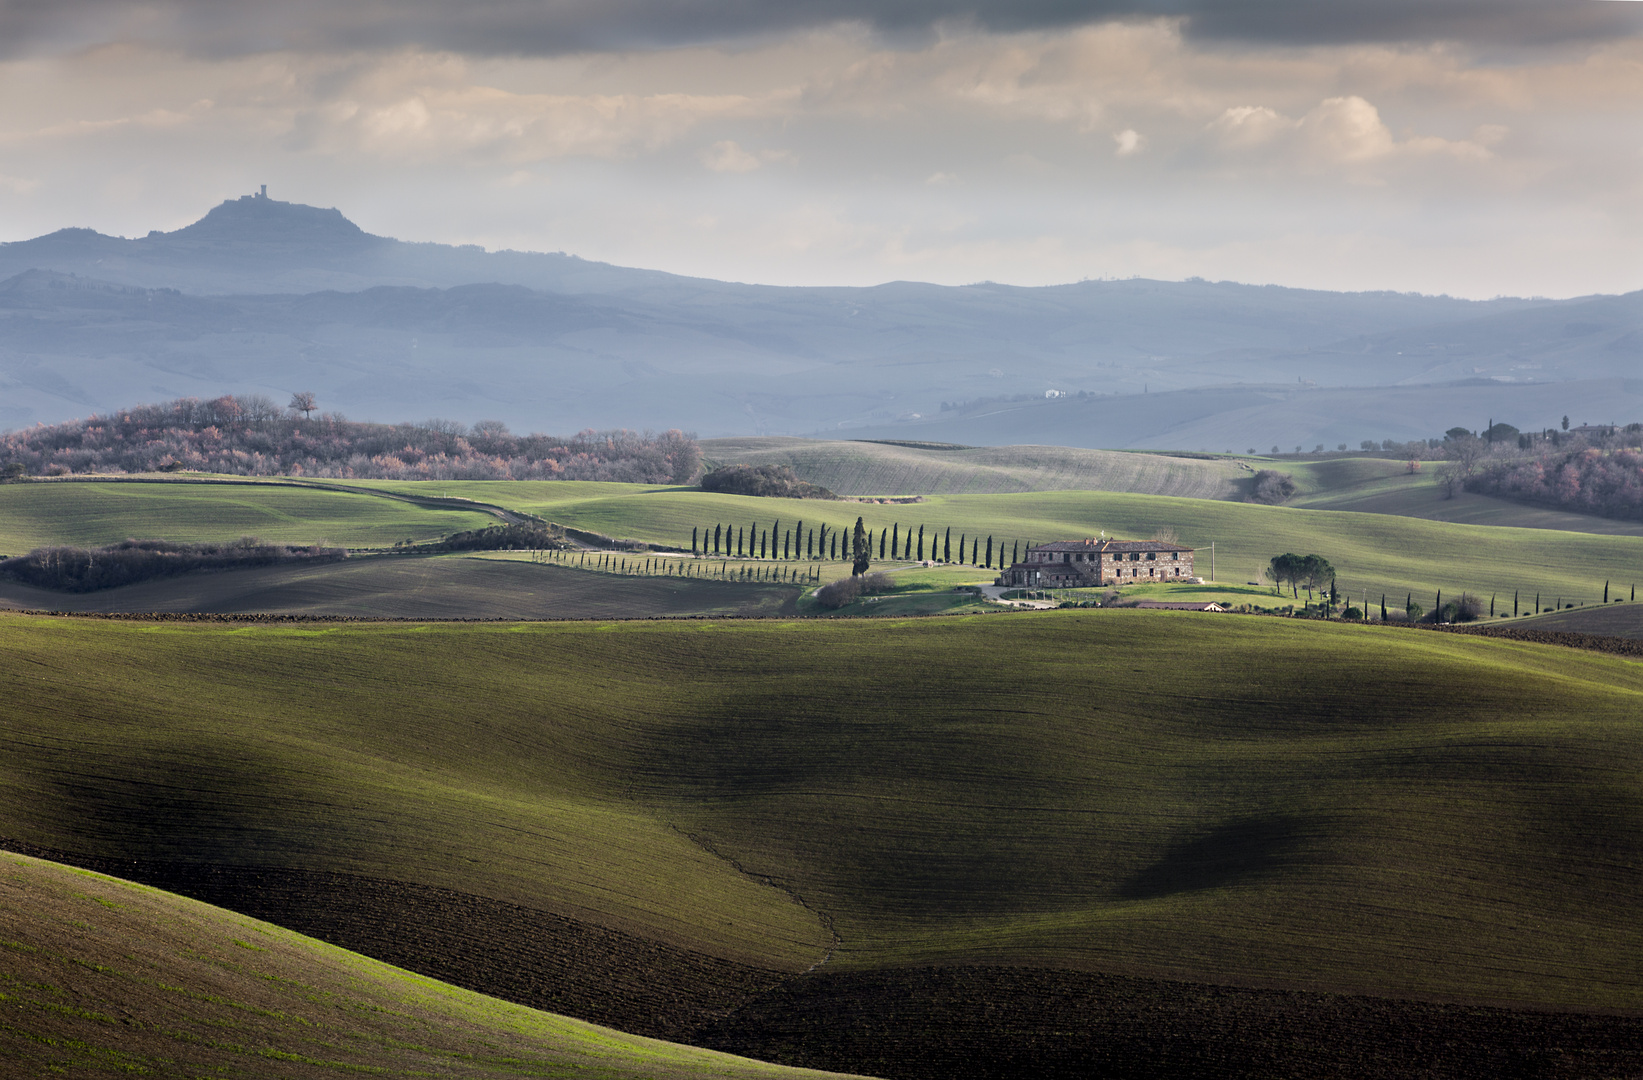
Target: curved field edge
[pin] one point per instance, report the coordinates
(1189, 796)
(99, 974)
(866, 468)
(1374, 553)
(93, 513)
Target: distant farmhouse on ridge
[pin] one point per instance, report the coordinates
(1074, 563)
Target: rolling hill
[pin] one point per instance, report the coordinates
(865, 468)
(666, 826)
(103, 976)
(94, 513)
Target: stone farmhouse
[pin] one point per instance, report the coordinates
(1066, 564)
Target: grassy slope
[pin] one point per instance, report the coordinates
(862, 468)
(1207, 796)
(98, 975)
(421, 587)
(1373, 552)
(91, 513)
(1373, 486)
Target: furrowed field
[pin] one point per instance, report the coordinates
(102, 976)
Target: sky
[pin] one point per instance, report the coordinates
(1470, 147)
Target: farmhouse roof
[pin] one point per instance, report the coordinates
(1181, 606)
(1095, 545)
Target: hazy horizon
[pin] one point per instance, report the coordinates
(1450, 148)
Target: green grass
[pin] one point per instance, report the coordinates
(501, 585)
(94, 513)
(178, 989)
(1204, 796)
(865, 468)
(1372, 552)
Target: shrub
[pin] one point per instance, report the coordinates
(847, 590)
(770, 481)
(73, 569)
(515, 537)
(1271, 487)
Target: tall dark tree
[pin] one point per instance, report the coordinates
(921, 546)
(884, 538)
(1383, 607)
(860, 550)
(1514, 603)
(798, 537)
(833, 547)
(1015, 552)
(989, 562)
(718, 531)
(693, 532)
(947, 546)
(1605, 593)
(895, 541)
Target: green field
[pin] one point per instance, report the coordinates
(866, 468)
(105, 512)
(488, 586)
(1204, 797)
(101, 976)
(1373, 553)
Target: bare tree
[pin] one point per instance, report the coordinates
(303, 401)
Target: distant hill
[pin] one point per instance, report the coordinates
(869, 468)
(262, 295)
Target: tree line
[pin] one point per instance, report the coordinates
(77, 569)
(249, 435)
(821, 541)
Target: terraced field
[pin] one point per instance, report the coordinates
(95, 513)
(866, 468)
(1191, 801)
(102, 976)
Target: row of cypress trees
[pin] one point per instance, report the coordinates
(825, 542)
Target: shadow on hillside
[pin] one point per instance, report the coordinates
(1230, 853)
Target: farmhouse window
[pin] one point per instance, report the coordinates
(1152, 556)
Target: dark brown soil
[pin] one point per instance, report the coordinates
(1010, 1022)
(907, 1024)
(1620, 646)
(532, 957)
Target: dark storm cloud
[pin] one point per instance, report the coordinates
(548, 27)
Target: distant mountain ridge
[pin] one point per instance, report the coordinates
(262, 295)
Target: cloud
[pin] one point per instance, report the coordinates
(1127, 142)
(1337, 131)
(521, 28)
(727, 157)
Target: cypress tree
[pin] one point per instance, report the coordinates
(717, 529)
(787, 543)
(775, 535)
(764, 544)
(884, 538)
(895, 541)
(741, 537)
(798, 537)
(961, 547)
(921, 547)
(947, 546)
(1514, 603)
(1437, 607)
(1537, 603)
(810, 544)
(1383, 607)
(989, 563)
(1491, 605)
(693, 532)
(861, 547)
(1409, 603)
(1605, 592)
(1015, 552)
